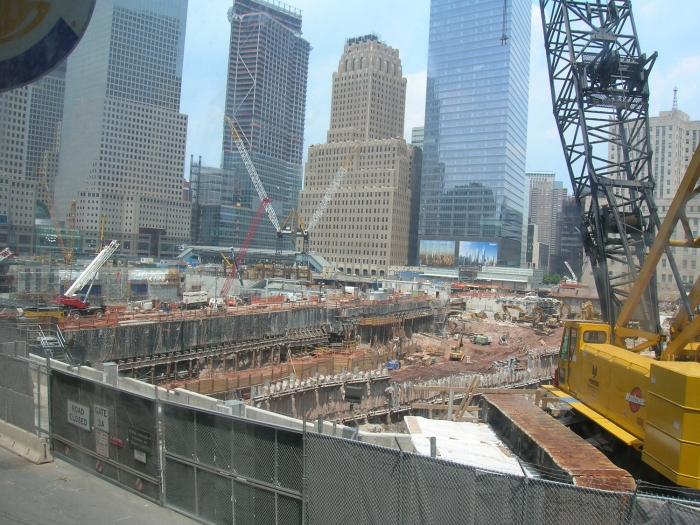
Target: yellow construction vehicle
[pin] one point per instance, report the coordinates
(649, 404)
(457, 353)
(508, 307)
(588, 313)
(542, 328)
(563, 305)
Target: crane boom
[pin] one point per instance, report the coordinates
(335, 184)
(600, 95)
(253, 174)
(238, 259)
(91, 269)
(573, 275)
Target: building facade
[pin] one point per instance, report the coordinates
(366, 227)
(17, 210)
(545, 202)
(30, 128)
(123, 137)
(474, 187)
(417, 136)
(219, 218)
(673, 140)
(266, 98)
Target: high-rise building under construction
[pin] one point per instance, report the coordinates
(266, 99)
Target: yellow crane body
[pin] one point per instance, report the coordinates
(649, 404)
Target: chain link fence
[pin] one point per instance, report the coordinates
(211, 463)
(366, 484)
(107, 431)
(222, 469)
(24, 397)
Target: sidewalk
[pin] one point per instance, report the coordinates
(61, 494)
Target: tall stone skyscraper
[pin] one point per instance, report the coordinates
(474, 188)
(123, 137)
(266, 98)
(366, 227)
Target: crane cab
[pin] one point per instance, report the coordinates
(612, 381)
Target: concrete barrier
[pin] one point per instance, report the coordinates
(21, 442)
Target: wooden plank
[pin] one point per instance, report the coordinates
(466, 400)
(429, 406)
(465, 390)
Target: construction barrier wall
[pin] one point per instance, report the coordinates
(205, 459)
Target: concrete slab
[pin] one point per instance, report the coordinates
(473, 444)
(61, 494)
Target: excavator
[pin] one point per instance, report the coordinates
(635, 391)
(457, 353)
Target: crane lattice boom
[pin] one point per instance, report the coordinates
(5, 254)
(600, 94)
(91, 269)
(253, 174)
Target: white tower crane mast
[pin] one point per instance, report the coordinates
(253, 174)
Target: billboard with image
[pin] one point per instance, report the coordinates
(478, 253)
(439, 254)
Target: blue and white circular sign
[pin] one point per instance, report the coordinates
(37, 35)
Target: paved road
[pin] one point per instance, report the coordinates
(59, 493)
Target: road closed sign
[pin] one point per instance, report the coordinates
(79, 415)
(37, 35)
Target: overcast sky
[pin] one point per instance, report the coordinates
(666, 26)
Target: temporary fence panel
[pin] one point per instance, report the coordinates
(223, 470)
(24, 397)
(106, 430)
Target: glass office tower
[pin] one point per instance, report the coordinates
(266, 98)
(474, 188)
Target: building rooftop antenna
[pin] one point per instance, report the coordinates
(504, 36)
(675, 99)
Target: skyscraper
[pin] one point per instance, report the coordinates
(673, 140)
(123, 137)
(546, 198)
(474, 187)
(266, 98)
(30, 128)
(366, 227)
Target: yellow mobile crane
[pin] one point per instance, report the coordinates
(599, 83)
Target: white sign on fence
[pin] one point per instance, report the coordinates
(102, 443)
(79, 415)
(101, 418)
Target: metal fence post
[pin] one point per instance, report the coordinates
(38, 404)
(320, 424)
(304, 437)
(49, 403)
(159, 448)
